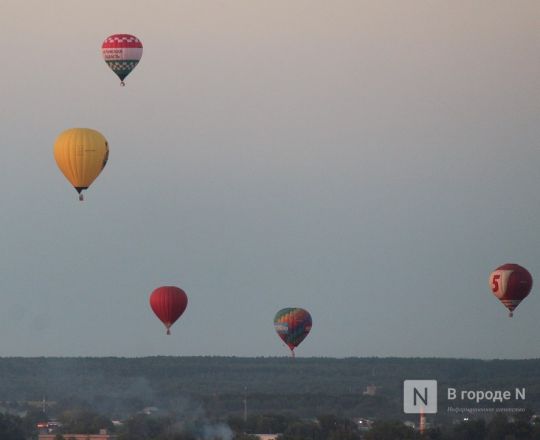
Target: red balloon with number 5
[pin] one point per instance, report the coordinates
(510, 283)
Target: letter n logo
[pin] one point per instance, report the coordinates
(420, 396)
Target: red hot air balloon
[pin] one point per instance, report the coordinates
(168, 303)
(511, 284)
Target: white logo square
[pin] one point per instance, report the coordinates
(420, 396)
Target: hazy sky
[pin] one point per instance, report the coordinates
(370, 161)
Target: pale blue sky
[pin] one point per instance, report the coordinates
(370, 161)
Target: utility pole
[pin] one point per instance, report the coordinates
(245, 405)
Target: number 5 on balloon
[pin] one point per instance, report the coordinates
(495, 282)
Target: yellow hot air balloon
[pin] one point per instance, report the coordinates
(81, 154)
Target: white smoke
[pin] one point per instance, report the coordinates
(218, 431)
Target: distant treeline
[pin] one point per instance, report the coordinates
(219, 386)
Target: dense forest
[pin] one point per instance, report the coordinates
(219, 386)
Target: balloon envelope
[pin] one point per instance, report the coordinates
(510, 283)
(81, 154)
(122, 52)
(292, 325)
(168, 303)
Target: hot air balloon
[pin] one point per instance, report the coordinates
(81, 154)
(168, 303)
(292, 326)
(511, 284)
(122, 52)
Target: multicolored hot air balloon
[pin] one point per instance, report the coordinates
(168, 303)
(122, 52)
(511, 284)
(292, 326)
(81, 154)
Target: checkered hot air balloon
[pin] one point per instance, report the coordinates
(122, 52)
(292, 325)
(510, 283)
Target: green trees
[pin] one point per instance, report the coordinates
(391, 430)
(470, 430)
(11, 428)
(147, 427)
(143, 427)
(500, 427)
(261, 423)
(120, 387)
(324, 427)
(242, 436)
(336, 428)
(302, 430)
(83, 421)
